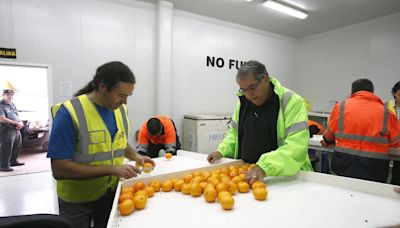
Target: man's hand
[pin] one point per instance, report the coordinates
(397, 189)
(254, 174)
(19, 125)
(141, 159)
(214, 157)
(125, 171)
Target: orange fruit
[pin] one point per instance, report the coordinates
(149, 190)
(178, 185)
(166, 186)
(237, 179)
(232, 187)
(221, 187)
(243, 186)
(147, 167)
(210, 194)
(124, 196)
(258, 184)
(187, 178)
(168, 156)
(156, 185)
(185, 188)
(139, 185)
(225, 179)
(195, 189)
(260, 193)
(126, 207)
(143, 192)
(140, 201)
(127, 189)
(223, 193)
(226, 202)
(203, 184)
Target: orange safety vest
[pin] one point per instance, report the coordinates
(168, 138)
(318, 125)
(363, 126)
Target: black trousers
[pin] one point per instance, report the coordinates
(360, 167)
(10, 145)
(154, 149)
(82, 214)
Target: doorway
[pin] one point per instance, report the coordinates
(32, 99)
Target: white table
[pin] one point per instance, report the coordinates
(308, 199)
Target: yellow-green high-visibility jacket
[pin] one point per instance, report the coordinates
(292, 133)
(94, 147)
(391, 104)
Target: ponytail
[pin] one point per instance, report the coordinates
(87, 89)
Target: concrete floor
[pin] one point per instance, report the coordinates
(28, 194)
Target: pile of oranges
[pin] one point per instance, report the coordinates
(218, 185)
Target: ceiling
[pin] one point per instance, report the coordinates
(324, 15)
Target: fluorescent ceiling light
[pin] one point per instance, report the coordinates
(285, 8)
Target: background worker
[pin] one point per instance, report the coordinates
(363, 130)
(88, 144)
(158, 133)
(268, 127)
(394, 106)
(10, 126)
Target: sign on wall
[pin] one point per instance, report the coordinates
(9, 53)
(220, 62)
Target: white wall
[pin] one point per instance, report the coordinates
(327, 64)
(198, 89)
(76, 36)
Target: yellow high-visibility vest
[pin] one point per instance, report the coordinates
(94, 147)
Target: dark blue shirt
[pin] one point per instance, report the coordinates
(63, 138)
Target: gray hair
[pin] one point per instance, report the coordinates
(254, 68)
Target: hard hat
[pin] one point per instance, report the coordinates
(9, 86)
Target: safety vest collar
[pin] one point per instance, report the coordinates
(87, 136)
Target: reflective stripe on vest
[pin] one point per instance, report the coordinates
(296, 126)
(83, 155)
(233, 124)
(362, 138)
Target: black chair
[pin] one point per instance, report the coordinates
(35, 221)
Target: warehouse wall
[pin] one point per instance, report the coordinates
(327, 64)
(201, 89)
(75, 37)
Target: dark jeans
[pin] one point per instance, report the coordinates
(154, 149)
(360, 167)
(82, 214)
(10, 145)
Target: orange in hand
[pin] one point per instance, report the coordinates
(168, 156)
(147, 167)
(126, 207)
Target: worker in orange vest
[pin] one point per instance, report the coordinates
(363, 129)
(315, 128)
(158, 133)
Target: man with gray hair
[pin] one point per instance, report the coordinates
(269, 126)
